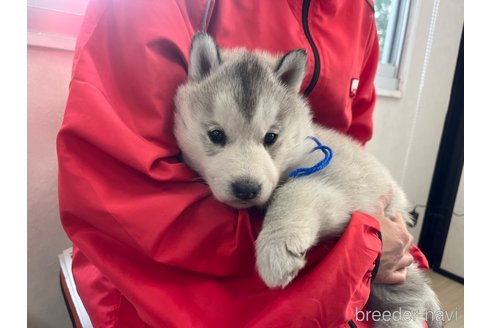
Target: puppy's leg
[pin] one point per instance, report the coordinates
(299, 210)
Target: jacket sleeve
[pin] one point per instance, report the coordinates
(363, 104)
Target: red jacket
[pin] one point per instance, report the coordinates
(152, 246)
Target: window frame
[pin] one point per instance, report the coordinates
(388, 76)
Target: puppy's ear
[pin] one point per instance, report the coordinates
(204, 56)
(291, 68)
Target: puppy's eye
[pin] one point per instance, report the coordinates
(270, 138)
(218, 137)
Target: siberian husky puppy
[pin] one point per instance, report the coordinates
(242, 125)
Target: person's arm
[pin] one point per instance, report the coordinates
(396, 239)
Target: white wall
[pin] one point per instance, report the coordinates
(408, 129)
(47, 86)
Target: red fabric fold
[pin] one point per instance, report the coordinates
(335, 282)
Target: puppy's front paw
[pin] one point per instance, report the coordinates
(279, 257)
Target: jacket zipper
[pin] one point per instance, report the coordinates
(314, 79)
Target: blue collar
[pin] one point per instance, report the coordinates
(303, 171)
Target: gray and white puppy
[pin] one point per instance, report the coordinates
(241, 124)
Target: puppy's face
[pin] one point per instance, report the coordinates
(239, 121)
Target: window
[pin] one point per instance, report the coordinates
(391, 20)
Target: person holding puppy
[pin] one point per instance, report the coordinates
(152, 247)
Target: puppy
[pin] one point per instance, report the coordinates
(242, 125)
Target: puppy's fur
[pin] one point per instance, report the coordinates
(247, 97)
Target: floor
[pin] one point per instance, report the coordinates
(451, 294)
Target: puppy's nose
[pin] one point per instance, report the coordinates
(246, 189)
